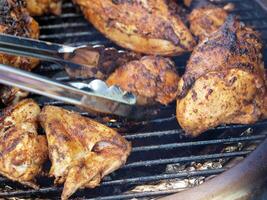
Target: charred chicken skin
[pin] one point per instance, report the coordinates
(81, 150)
(145, 26)
(152, 79)
(98, 61)
(22, 150)
(224, 81)
(207, 19)
(15, 20)
(41, 7)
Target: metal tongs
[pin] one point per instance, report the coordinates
(95, 96)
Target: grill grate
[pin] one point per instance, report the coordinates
(158, 143)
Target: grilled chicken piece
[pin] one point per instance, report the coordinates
(81, 150)
(41, 7)
(152, 79)
(187, 2)
(15, 20)
(207, 19)
(12, 94)
(224, 80)
(22, 150)
(145, 26)
(98, 61)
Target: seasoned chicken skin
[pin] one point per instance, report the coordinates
(15, 20)
(152, 79)
(41, 7)
(98, 61)
(22, 150)
(224, 80)
(81, 150)
(145, 26)
(187, 2)
(207, 19)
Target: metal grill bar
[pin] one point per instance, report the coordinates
(179, 131)
(62, 16)
(148, 163)
(62, 35)
(64, 25)
(258, 138)
(125, 181)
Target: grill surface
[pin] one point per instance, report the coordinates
(161, 152)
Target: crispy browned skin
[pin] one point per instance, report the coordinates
(224, 80)
(15, 20)
(81, 150)
(22, 150)
(41, 7)
(152, 79)
(187, 2)
(12, 94)
(147, 26)
(207, 19)
(98, 62)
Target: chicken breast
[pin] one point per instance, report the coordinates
(145, 26)
(224, 81)
(81, 150)
(207, 19)
(153, 79)
(22, 150)
(15, 20)
(41, 7)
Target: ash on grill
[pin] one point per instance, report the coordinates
(186, 183)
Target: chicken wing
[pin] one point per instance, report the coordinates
(41, 7)
(145, 26)
(22, 150)
(224, 80)
(15, 20)
(152, 79)
(81, 150)
(207, 19)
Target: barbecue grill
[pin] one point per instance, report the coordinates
(164, 160)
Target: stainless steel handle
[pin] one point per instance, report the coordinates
(40, 85)
(97, 97)
(52, 52)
